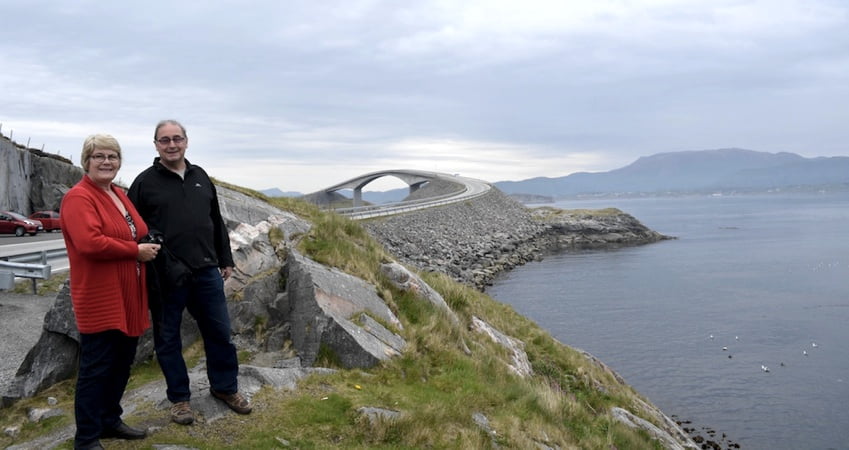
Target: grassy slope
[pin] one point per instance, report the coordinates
(436, 384)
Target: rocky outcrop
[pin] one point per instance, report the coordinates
(407, 281)
(33, 180)
(667, 440)
(340, 314)
(606, 228)
(519, 363)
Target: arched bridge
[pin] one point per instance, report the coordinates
(414, 179)
(463, 188)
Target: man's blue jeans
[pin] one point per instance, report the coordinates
(203, 296)
(105, 360)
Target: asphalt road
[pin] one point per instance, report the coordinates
(21, 322)
(12, 239)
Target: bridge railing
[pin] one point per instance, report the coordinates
(388, 209)
(407, 203)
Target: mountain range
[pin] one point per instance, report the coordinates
(720, 170)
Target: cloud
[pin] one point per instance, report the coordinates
(298, 95)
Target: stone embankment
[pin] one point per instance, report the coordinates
(476, 240)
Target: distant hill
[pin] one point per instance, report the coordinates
(274, 192)
(372, 197)
(694, 171)
(390, 196)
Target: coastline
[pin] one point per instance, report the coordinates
(473, 242)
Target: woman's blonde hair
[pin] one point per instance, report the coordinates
(98, 141)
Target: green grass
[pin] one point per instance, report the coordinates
(548, 212)
(43, 287)
(446, 374)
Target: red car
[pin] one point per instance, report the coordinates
(50, 219)
(15, 223)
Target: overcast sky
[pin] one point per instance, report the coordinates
(301, 95)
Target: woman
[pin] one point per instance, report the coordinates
(102, 230)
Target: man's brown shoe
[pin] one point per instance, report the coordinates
(236, 401)
(181, 412)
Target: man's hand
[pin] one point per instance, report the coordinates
(226, 272)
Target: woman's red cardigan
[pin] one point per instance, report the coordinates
(108, 289)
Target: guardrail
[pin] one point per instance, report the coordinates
(28, 261)
(360, 212)
(11, 270)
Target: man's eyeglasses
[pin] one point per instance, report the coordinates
(100, 157)
(167, 140)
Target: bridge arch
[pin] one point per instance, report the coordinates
(413, 178)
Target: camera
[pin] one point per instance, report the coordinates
(153, 237)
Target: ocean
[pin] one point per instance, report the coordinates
(740, 326)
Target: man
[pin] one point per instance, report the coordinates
(179, 200)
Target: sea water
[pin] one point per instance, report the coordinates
(753, 283)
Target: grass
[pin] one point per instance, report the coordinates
(43, 287)
(548, 212)
(445, 376)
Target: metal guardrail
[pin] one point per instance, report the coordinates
(360, 212)
(28, 261)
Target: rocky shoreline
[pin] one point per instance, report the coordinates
(474, 241)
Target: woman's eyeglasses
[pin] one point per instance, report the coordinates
(100, 157)
(167, 140)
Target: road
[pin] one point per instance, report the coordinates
(46, 236)
(11, 246)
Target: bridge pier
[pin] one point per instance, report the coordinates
(358, 196)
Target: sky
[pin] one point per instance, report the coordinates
(302, 95)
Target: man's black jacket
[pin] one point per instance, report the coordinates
(186, 211)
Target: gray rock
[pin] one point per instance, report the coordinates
(519, 363)
(405, 280)
(626, 417)
(39, 414)
(483, 423)
(326, 305)
(376, 415)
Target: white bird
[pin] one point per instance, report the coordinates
(764, 368)
(724, 348)
(814, 344)
(805, 352)
(736, 338)
(711, 336)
